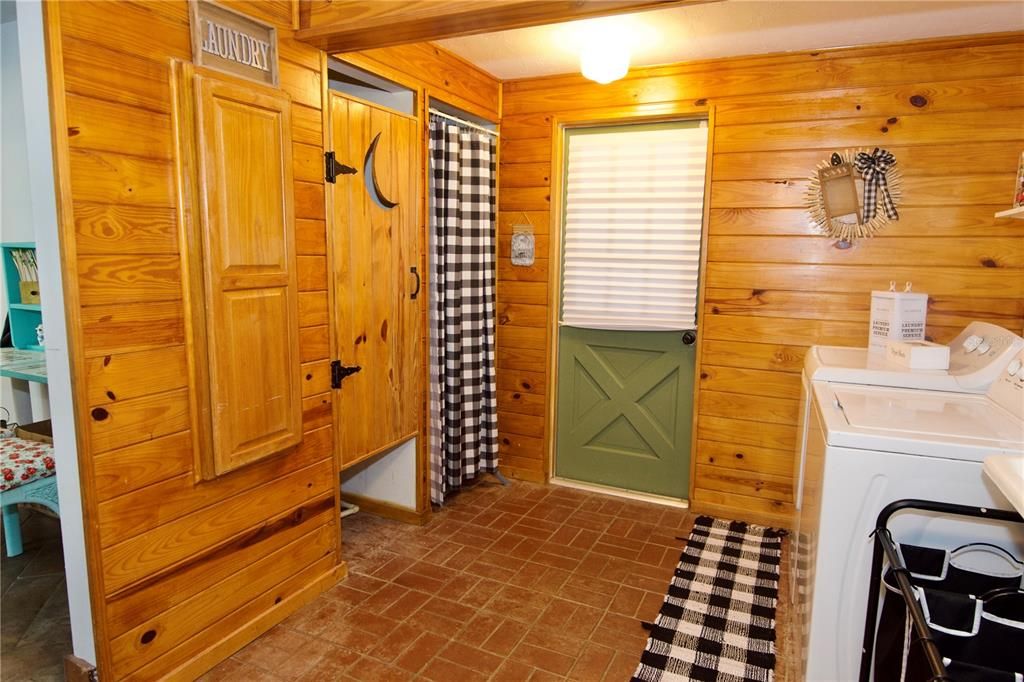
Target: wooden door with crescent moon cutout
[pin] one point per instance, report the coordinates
(376, 284)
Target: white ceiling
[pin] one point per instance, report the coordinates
(733, 28)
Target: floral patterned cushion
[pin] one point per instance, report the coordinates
(23, 461)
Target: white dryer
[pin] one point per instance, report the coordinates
(868, 446)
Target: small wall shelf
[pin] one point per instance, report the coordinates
(1012, 213)
(25, 317)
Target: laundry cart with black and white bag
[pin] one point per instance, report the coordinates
(944, 613)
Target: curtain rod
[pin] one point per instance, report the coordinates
(463, 122)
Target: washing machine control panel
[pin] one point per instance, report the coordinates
(1008, 389)
(980, 351)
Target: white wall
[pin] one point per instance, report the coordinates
(41, 197)
(390, 477)
(15, 203)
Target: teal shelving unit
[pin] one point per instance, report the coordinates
(25, 317)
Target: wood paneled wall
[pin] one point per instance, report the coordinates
(432, 71)
(183, 572)
(950, 110)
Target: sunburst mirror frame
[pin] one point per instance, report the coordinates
(844, 230)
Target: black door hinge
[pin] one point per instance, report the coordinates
(340, 371)
(333, 168)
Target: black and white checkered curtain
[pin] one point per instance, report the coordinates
(464, 420)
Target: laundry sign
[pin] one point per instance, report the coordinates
(231, 42)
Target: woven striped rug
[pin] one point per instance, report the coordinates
(717, 623)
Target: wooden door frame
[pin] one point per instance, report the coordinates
(327, 136)
(423, 107)
(659, 113)
(423, 110)
(423, 94)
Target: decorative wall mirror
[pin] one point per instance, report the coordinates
(854, 193)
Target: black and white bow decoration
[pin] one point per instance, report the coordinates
(873, 168)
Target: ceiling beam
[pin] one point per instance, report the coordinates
(351, 25)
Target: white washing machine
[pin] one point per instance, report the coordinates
(976, 356)
(867, 446)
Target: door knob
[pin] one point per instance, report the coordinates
(689, 337)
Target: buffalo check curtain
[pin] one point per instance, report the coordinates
(463, 395)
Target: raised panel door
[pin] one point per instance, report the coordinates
(249, 271)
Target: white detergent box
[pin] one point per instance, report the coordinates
(898, 316)
(917, 354)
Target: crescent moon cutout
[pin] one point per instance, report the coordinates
(370, 172)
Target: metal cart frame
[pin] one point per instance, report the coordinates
(885, 546)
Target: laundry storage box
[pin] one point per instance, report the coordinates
(896, 315)
(917, 354)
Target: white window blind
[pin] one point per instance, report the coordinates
(634, 204)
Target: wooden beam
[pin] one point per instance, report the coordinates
(352, 25)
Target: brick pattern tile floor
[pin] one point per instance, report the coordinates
(519, 583)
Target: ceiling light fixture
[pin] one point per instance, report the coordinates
(604, 61)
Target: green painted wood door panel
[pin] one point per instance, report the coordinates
(625, 405)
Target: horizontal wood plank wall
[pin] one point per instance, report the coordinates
(432, 72)
(952, 111)
(437, 71)
(188, 571)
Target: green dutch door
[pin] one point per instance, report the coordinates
(631, 229)
(625, 403)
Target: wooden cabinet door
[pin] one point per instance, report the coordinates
(243, 153)
(376, 244)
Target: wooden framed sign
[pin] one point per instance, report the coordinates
(228, 41)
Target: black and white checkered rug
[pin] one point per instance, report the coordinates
(717, 623)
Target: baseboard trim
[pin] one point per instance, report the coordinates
(206, 660)
(620, 492)
(78, 670)
(522, 474)
(387, 510)
(759, 518)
